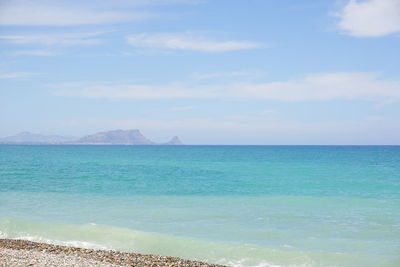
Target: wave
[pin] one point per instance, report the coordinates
(123, 239)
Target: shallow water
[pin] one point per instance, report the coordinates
(241, 205)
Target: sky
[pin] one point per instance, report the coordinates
(265, 72)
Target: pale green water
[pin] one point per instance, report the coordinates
(241, 205)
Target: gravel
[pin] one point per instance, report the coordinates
(27, 253)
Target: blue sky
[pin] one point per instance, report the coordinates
(212, 72)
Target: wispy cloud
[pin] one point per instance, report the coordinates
(60, 13)
(41, 53)
(181, 108)
(325, 86)
(314, 87)
(370, 18)
(146, 52)
(187, 41)
(166, 2)
(134, 91)
(64, 39)
(216, 75)
(16, 75)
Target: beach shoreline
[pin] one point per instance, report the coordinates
(16, 252)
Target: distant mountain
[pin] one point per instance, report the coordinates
(117, 137)
(175, 141)
(32, 138)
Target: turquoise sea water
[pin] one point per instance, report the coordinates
(238, 205)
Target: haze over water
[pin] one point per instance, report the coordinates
(240, 205)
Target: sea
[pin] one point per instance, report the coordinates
(234, 205)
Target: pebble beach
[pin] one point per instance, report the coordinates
(27, 253)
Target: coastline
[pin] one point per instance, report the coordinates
(15, 252)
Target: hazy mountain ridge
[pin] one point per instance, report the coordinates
(122, 137)
(27, 137)
(175, 141)
(115, 137)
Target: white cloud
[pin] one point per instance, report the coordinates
(370, 18)
(315, 87)
(59, 13)
(187, 41)
(64, 39)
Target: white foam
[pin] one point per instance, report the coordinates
(71, 243)
(3, 235)
(124, 239)
(244, 263)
